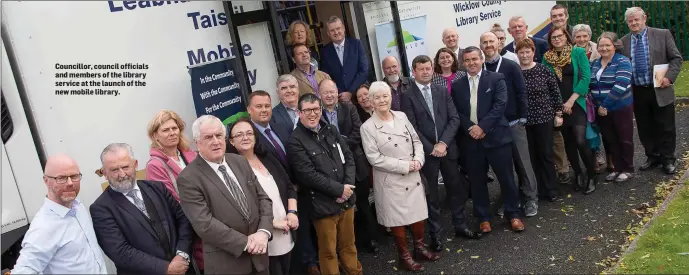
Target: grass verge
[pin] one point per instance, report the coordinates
(682, 82)
(664, 248)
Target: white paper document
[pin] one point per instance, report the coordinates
(659, 72)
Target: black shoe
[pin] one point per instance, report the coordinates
(563, 178)
(649, 164)
(579, 182)
(591, 185)
(491, 178)
(468, 234)
(372, 247)
(436, 244)
(669, 168)
(553, 198)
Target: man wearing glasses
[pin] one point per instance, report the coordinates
(61, 239)
(324, 167)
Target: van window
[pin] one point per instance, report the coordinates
(7, 125)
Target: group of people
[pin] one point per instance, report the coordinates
(289, 178)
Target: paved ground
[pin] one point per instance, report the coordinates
(555, 241)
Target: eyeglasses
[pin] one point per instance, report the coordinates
(243, 135)
(502, 39)
(63, 179)
(558, 37)
(311, 111)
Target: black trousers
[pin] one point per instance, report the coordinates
(455, 187)
(617, 129)
(574, 133)
(656, 125)
(540, 138)
(279, 265)
(365, 225)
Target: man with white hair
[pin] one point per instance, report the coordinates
(285, 115)
(398, 83)
(225, 204)
(60, 239)
(130, 217)
(654, 96)
(520, 30)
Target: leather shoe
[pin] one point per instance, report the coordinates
(313, 270)
(485, 227)
(517, 225)
(491, 178)
(436, 244)
(650, 163)
(669, 168)
(468, 234)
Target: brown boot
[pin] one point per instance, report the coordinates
(420, 251)
(405, 260)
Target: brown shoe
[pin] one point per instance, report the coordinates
(517, 225)
(313, 270)
(420, 251)
(404, 259)
(485, 227)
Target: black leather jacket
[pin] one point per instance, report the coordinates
(316, 161)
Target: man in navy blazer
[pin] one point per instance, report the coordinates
(431, 110)
(139, 224)
(344, 59)
(484, 137)
(286, 114)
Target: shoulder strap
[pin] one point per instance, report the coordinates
(169, 172)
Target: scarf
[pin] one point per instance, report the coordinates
(559, 61)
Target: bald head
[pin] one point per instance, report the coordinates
(63, 178)
(328, 90)
(450, 38)
(489, 45)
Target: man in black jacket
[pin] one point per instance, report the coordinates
(345, 118)
(324, 166)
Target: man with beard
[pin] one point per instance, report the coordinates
(60, 239)
(130, 219)
(398, 83)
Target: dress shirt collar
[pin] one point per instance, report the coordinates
(287, 107)
(478, 74)
(214, 165)
(61, 210)
(421, 86)
(339, 45)
(311, 71)
(261, 128)
(337, 105)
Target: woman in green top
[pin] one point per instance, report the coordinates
(571, 66)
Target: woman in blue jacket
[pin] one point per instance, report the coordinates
(611, 90)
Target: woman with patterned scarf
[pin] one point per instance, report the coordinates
(571, 67)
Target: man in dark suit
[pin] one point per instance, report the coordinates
(345, 118)
(654, 107)
(520, 30)
(225, 204)
(261, 112)
(484, 137)
(139, 224)
(431, 111)
(344, 59)
(285, 115)
(283, 120)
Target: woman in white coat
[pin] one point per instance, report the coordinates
(394, 150)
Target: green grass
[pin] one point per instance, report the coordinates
(682, 82)
(664, 248)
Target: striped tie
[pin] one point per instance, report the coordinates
(640, 64)
(237, 194)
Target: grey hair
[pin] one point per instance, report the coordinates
(617, 43)
(634, 10)
(582, 27)
(334, 19)
(115, 147)
(378, 87)
(196, 127)
(515, 18)
(285, 78)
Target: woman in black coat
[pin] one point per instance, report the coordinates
(275, 182)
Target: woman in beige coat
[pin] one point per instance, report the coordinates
(394, 150)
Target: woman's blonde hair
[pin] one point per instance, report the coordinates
(309, 40)
(158, 120)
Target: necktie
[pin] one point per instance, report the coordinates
(340, 53)
(640, 66)
(473, 99)
(138, 202)
(429, 100)
(237, 194)
(278, 149)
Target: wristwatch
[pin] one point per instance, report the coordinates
(293, 212)
(183, 255)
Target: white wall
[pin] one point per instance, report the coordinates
(442, 14)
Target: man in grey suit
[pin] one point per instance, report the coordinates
(654, 107)
(225, 204)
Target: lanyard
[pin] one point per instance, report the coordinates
(496, 68)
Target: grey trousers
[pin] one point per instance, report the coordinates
(522, 162)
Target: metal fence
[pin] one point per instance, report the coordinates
(609, 16)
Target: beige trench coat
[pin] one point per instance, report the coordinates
(399, 195)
